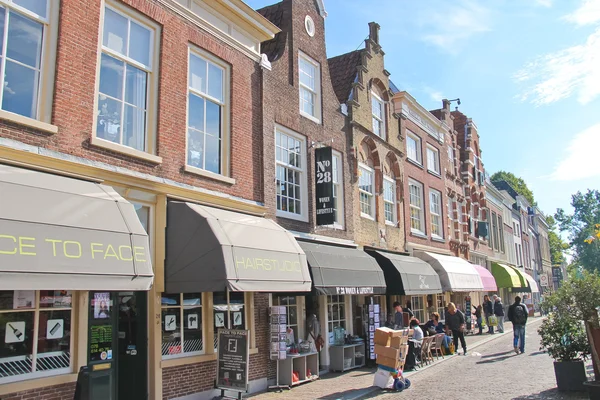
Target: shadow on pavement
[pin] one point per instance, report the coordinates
(497, 354)
(537, 353)
(493, 360)
(554, 394)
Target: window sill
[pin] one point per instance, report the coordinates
(174, 362)
(418, 234)
(28, 122)
(285, 214)
(415, 163)
(392, 224)
(253, 351)
(436, 174)
(438, 239)
(367, 216)
(119, 148)
(209, 175)
(311, 117)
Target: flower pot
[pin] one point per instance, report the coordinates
(593, 388)
(570, 376)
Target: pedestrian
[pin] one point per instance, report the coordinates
(517, 314)
(398, 317)
(477, 314)
(488, 310)
(499, 313)
(455, 321)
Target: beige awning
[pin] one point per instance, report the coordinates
(64, 233)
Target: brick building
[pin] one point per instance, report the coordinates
(117, 105)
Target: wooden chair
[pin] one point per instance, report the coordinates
(425, 350)
(437, 345)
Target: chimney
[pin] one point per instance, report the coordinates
(446, 104)
(374, 32)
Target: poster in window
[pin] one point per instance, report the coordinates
(220, 320)
(324, 185)
(14, 332)
(101, 305)
(100, 342)
(237, 318)
(55, 329)
(170, 322)
(23, 299)
(192, 320)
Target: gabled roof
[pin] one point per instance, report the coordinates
(343, 72)
(275, 13)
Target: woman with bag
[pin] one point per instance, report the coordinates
(488, 310)
(455, 321)
(499, 313)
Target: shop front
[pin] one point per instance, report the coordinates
(529, 289)
(221, 267)
(74, 270)
(508, 280)
(348, 300)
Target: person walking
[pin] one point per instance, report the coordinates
(455, 321)
(477, 314)
(517, 314)
(488, 309)
(499, 313)
(398, 317)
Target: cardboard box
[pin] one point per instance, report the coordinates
(387, 352)
(396, 342)
(387, 362)
(383, 335)
(389, 332)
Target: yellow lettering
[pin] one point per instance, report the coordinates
(276, 265)
(53, 241)
(94, 250)
(238, 262)
(130, 258)
(25, 245)
(249, 263)
(14, 239)
(110, 252)
(139, 254)
(70, 242)
(267, 264)
(259, 263)
(296, 266)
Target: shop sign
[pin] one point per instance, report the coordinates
(544, 280)
(233, 359)
(324, 185)
(468, 313)
(354, 290)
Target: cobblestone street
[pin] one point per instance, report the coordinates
(491, 370)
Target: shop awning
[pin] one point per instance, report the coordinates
(406, 275)
(343, 270)
(65, 233)
(528, 284)
(506, 277)
(456, 274)
(211, 250)
(489, 283)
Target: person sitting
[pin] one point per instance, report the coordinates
(417, 331)
(434, 327)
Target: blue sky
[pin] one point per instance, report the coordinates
(526, 71)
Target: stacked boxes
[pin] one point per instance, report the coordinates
(388, 343)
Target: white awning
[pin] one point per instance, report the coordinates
(456, 274)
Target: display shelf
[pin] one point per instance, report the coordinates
(301, 363)
(339, 353)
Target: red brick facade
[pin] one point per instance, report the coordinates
(66, 391)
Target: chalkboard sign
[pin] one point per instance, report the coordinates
(232, 365)
(468, 314)
(101, 343)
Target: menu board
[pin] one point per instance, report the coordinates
(233, 353)
(374, 323)
(468, 313)
(278, 349)
(101, 341)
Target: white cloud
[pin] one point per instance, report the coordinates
(588, 13)
(544, 3)
(451, 23)
(581, 158)
(434, 95)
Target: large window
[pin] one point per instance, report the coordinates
(336, 314)
(378, 115)
(181, 322)
(418, 308)
(495, 232)
(206, 113)
(366, 191)
(417, 223)
(501, 232)
(35, 333)
(338, 189)
(290, 182)
(435, 209)
(229, 312)
(24, 42)
(126, 80)
(413, 148)
(291, 311)
(389, 200)
(433, 160)
(310, 87)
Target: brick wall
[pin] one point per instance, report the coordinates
(65, 391)
(74, 95)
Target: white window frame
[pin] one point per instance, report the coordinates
(378, 120)
(181, 307)
(389, 189)
(338, 189)
(224, 155)
(433, 152)
(371, 195)
(337, 300)
(303, 215)
(150, 151)
(44, 94)
(296, 327)
(421, 208)
(36, 309)
(418, 307)
(248, 322)
(418, 148)
(436, 214)
(316, 91)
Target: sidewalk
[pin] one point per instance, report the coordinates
(358, 383)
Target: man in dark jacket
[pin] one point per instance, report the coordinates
(488, 309)
(455, 321)
(517, 314)
(499, 313)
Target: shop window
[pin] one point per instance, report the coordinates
(291, 310)
(440, 305)
(417, 308)
(181, 321)
(336, 314)
(229, 312)
(35, 333)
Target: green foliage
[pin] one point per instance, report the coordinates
(564, 338)
(517, 183)
(557, 245)
(581, 225)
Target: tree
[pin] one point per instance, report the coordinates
(581, 226)
(557, 245)
(517, 183)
